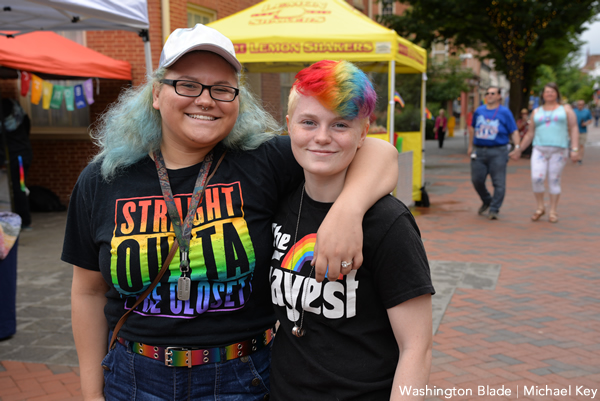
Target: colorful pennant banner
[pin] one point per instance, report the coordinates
(25, 81)
(88, 90)
(36, 89)
(69, 98)
(79, 99)
(52, 95)
(47, 89)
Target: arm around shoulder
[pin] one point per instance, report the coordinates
(372, 174)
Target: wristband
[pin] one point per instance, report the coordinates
(574, 150)
(517, 146)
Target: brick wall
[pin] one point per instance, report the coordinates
(57, 164)
(8, 88)
(271, 94)
(128, 46)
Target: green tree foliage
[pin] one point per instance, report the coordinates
(519, 35)
(573, 83)
(445, 81)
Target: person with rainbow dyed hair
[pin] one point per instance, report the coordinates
(368, 334)
(204, 331)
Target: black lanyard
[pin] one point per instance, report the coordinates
(183, 233)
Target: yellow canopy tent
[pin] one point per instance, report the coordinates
(286, 36)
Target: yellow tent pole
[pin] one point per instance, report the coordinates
(391, 108)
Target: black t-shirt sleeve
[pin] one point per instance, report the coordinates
(80, 247)
(401, 270)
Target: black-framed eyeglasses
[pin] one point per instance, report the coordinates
(491, 93)
(222, 93)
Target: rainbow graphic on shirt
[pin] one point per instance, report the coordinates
(302, 252)
(221, 258)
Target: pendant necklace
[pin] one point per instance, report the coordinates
(297, 330)
(182, 232)
(547, 119)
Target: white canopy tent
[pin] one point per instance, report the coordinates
(77, 15)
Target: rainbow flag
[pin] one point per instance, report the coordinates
(428, 114)
(398, 99)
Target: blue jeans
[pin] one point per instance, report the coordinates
(490, 161)
(132, 377)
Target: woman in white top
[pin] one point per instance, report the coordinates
(551, 127)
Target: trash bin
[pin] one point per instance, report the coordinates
(10, 226)
(8, 293)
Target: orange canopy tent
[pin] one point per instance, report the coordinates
(49, 53)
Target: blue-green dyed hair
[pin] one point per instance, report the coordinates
(132, 128)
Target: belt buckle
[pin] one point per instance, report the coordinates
(169, 356)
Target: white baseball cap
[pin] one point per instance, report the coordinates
(200, 37)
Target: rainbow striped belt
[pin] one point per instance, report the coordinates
(182, 356)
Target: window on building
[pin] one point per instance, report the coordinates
(199, 15)
(386, 7)
(439, 52)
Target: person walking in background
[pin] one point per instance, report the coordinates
(596, 115)
(584, 118)
(380, 318)
(17, 127)
(440, 127)
(523, 127)
(489, 133)
(451, 125)
(552, 126)
(204, 331)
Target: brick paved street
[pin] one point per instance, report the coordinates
(516, 306)
(540, 326)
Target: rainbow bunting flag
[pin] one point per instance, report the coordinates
(398, 99)
(428, 114)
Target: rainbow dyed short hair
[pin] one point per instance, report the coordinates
(339, 86)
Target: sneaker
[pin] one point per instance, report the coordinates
(493, 215)
(483, 208)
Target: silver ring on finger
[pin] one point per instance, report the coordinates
(346, 264)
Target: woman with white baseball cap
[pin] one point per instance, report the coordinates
(190, 161)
